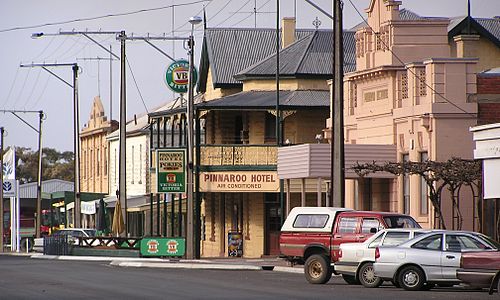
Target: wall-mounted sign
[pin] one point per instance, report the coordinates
(163, 247)
(9, 188)
(176, 76)
(254, 181)
(171, 170)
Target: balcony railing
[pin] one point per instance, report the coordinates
(238, 155)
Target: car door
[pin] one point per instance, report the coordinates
(455, 244)
(345, 232)
(427, 254)
(367, 225)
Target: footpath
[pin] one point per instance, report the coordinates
(235, 264)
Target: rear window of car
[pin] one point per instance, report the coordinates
(401, 222)
(310, 221)
(395, 238)
(348, 225)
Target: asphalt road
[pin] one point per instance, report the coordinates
(25, 278)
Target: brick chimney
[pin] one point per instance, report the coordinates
(288, 31)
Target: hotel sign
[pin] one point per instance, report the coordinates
(233, 182)
(171, 171)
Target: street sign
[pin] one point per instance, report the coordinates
(163, 246)
(9, 188)
(171, 170)
(176, 76)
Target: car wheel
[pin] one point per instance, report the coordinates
(366, 275)
(411, 278)
(395, 283)
(350, 279)
(317, 269)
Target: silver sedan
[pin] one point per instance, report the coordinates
(427, 260)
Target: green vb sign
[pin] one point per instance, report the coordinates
(176, 76)
(171, 170)
(163, 246)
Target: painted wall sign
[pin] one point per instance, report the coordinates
(176, 76)
(171, 170)
(163, 247)
(254, 181)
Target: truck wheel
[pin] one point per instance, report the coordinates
(22, 246)
(317, 269)
(350, 279)
(367, 277)
(412, 278)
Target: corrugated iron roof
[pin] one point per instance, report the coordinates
(404, 14)
(486, 27)
(310, 56)
(230, 50)
(28, 190)
(267, 100)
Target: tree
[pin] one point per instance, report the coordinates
(55, 164)
(454, 174)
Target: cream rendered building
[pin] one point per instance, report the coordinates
(408, 90)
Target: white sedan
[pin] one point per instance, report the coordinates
(430, 259)
(356, 259)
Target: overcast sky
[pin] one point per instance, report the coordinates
(36, 89)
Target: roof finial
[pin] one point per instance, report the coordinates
(316, 23)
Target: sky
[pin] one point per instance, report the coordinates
(34, 89)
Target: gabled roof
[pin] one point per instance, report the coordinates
(309, 57)
(229, 50)
(263, 100)
(404, 14)
(486, 27)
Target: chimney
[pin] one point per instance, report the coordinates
(287, 31)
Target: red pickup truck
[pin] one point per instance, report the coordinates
(312, 236)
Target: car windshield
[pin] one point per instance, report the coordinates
(90, 232)
(401, 222)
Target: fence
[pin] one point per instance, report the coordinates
(55, 245)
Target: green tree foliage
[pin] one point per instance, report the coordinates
(55, 164)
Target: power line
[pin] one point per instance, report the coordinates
(136, 86)
(33, 89)
(251, 13)
(100, 17)
(42, 93)
(11, 88)
(401, 61)
(233, 13)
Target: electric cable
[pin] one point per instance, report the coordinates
(237, 11)
(33, 89)
(136, 85)
(7, 99)
(250, 14)
(42, 93)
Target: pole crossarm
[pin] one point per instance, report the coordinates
(148, 40)
(14, 112)
(44, 66)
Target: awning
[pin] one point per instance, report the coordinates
(132, 201)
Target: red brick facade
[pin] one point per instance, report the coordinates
(488, 86)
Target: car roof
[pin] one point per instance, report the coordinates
(372, 213)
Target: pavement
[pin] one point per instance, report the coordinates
(269, 264)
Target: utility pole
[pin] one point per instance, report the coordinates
(39, 178)
(76, 133)
(337, 187)
(122, 152)
(1, 189)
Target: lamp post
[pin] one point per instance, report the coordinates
(190, 234)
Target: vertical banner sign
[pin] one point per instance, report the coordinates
(171, 170)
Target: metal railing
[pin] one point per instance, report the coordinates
(238, 155)
(55, 245)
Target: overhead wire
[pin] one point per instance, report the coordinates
(33, 88)
(411, 71)
(24, 84)
(100, 17)
(251, 13)
(7, 99)
(42, 93)
(136, 85)
(234, 13)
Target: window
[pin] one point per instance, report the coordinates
(368, 224)
(406, 188)
(395, 238)
(105, 161)
(98, 162)
(404, 86)
(270, 130)
(348, 225)
(310, 221)
(133, 165)
(432, 242)
(401, 222)
(424, 194)
(376, 242)
(460, 243)
(422, 86)
(140, 164)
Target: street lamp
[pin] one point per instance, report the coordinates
(190, 234)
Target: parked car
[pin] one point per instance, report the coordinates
(356, 259)
(430, 259)
(72, 233)
(481, 269)
(312, 236)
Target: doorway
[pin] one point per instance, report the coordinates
(272, 224)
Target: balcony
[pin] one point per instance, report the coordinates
(229, 156)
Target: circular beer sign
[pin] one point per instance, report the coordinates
(176, 76)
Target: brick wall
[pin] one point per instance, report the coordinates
(489, 109)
